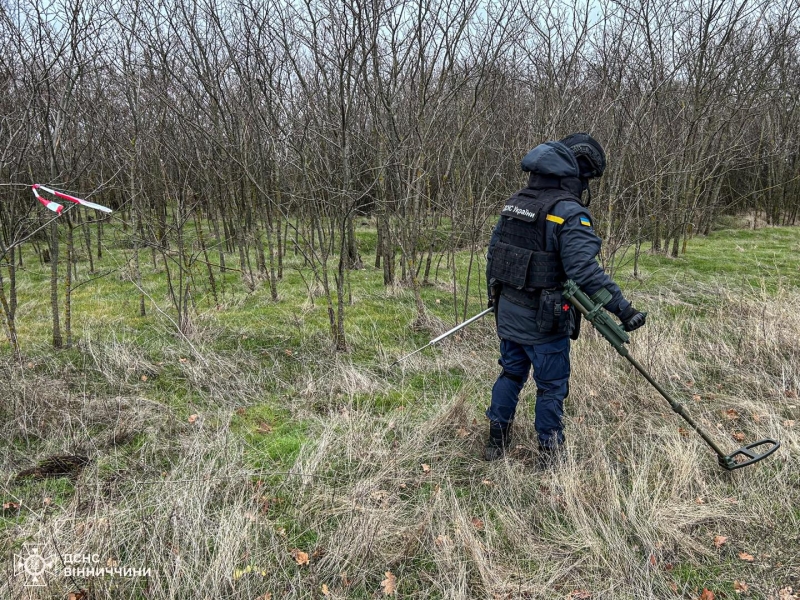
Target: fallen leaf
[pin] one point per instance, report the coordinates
(192, 418)
(707, 594)
(477, 523)
(461, 432)
(696, 397)
(788, 423)
(264, 428)
(300, 557)
(740, 586)
(10, 505)
(487, 483)
(699, 500)
(756, 418)
(653, 560)
(266, 596)
(441, 540)
(746, 557)
(345, 581)
(182, 360)
(732, 414)
(144, 377)
(719, 540)
(79, 595)
(790, 394)
(325, 590)
(673, 586)
(786, 594)
(47, 501)
(426, 468)
(379, 498)
(683, 432)
(739, 436)
(668, 566)
(389, 584)
(580, 595)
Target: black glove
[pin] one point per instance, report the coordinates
(632, 319)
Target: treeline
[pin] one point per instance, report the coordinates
(226, 134)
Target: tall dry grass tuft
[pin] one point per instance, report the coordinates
(390, 479)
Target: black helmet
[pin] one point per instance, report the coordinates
(589, 154)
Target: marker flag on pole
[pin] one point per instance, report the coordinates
(54, 206)
(64, 196)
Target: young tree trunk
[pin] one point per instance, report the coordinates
(87, 240)
(12, 279)
(273, 278)
(388, 250)
(353, 256)
(8, 313)
(209, 269)
(68, 283)
(58, 341)
(100, 238)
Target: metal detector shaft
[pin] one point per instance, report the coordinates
(446, 334)
(592, 310)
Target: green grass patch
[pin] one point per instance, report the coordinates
(272, 437)
(765, 260)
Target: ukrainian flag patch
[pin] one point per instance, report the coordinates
(585, 221)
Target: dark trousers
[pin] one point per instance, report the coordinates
(550, 372)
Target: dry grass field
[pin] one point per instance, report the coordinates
(251, 462)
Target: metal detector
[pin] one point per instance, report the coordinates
(592, 310)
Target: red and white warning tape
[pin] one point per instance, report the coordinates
(56, 207)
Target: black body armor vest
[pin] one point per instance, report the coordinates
(519, 261)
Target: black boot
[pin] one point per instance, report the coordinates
(499, 441)
(549, 457)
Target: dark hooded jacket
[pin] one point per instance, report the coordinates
(569, 232)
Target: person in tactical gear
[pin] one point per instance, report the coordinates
(543, 237)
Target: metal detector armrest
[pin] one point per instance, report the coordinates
(592, 310)
(730, 463)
